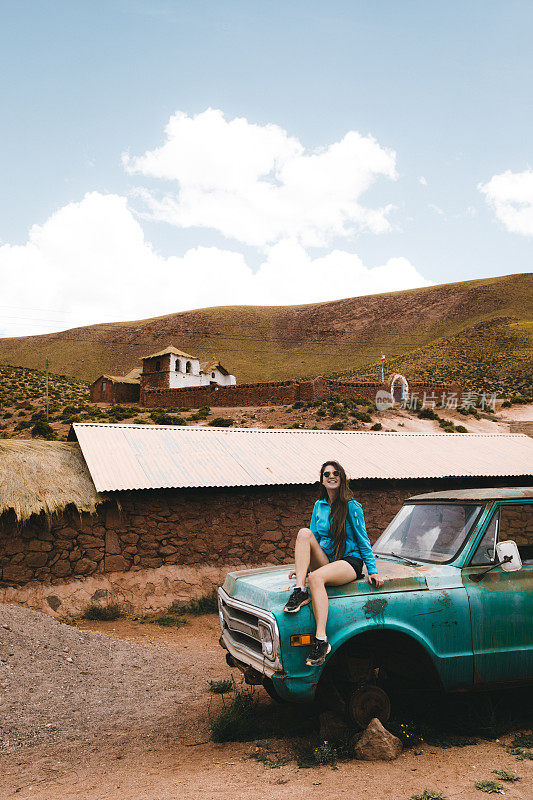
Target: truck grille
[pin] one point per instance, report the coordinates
(240, 625)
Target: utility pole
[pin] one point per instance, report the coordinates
(382, 368)
(47, 390)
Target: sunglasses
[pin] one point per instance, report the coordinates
(335, 473)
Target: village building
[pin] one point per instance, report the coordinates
(174, 369)
(168, 369)
(148, 515)
(116, 388)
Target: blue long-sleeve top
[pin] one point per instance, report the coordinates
(357, 541)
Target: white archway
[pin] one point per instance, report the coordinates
(399, 383)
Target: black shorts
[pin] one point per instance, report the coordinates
(356, 563)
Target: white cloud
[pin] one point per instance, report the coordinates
(510, 195)
(90, 261)
(290, 276)
(258, 185)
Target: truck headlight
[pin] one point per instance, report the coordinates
(267, 640)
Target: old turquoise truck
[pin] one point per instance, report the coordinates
(455, 611)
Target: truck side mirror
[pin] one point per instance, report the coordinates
(508, 556)
(508, 559)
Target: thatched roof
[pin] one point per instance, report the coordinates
(209, 366)
(118, 379)
(167, 350)
(38, 476)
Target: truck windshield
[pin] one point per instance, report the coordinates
(432, 532)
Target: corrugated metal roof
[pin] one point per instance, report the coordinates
(165, 456)
(505, 493)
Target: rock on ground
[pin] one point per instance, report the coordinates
(377, 744)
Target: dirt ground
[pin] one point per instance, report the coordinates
(120, 711)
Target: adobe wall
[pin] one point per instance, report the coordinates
(114, 392)
(253, 394)
(274, 393)
(187, 528)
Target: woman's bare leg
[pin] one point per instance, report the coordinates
(334, 574)
(307, 553)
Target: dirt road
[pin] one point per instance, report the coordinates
(91, 731)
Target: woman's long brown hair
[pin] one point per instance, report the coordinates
(339, 508)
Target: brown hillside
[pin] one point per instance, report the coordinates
(266, 343)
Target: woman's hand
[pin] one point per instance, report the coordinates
(375, 580)
(292, 574)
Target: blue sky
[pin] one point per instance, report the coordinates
(439, 95)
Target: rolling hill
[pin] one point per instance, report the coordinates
(479, 332)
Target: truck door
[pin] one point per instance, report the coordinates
(501, 604)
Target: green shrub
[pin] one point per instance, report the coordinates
(20, 426)
(427, 413)
(237, 722)
(162, 418)
(205, 604)
(298, 404)
(221, 687)
(449, 427)
(503, 775)
(104, 613)
(337, 426)
(43, 430)
(490, 787)
(461, 429)
(428, 794)
(311, 754)
(325, 753)
(377, 427)
(362, 416)
(200, 415)
(221, 422)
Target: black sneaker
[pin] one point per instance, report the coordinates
(297, 599)
(318, 653)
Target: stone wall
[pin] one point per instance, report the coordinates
(253, 525)
(275, 393)
(135, 591)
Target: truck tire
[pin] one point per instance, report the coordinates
(367, 702)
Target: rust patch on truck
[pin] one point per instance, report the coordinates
(374, 609)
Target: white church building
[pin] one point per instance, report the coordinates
(173, 369)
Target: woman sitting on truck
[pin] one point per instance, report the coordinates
(333, 548)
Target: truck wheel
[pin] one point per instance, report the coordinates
(368, 702)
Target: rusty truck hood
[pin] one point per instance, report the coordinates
(270, 587)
